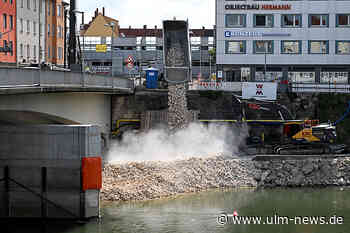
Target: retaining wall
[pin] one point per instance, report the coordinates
(298, 171)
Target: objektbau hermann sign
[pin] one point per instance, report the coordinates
(258, 7)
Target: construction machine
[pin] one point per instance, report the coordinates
(296, 136)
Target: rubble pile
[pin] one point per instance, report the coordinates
(151, 180)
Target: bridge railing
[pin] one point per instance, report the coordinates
(13, 77)
(320, 87)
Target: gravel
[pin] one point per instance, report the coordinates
(152, 180)
(178, 115)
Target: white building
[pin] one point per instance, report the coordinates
(30, 17)
(299, 41)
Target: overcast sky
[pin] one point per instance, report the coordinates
(140, 12)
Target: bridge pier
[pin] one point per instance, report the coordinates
(51, 172)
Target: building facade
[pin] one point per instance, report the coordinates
(290, 41)
(54, 32)
(145, 47)
(30, 36)
(8, 32)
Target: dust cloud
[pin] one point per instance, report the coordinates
(197, 140)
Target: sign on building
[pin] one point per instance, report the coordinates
(101, 48)
(261, 91)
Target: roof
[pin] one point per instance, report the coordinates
(97, 27)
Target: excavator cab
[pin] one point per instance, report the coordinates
(313, 131)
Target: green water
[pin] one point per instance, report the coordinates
(199, 212)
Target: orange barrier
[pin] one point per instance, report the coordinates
(91, 173)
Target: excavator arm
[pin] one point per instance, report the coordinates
(344, 115)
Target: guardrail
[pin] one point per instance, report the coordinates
(217, 86)
(320, 88)
(20, 78)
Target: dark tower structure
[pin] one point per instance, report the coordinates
(72, 48)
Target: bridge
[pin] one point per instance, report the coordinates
(53, 126)
(34, 96)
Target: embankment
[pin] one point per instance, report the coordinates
(151, 180)
(302, 171)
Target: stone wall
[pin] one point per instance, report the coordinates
(297, 171)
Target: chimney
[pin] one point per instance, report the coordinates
(129, 26)
(103, 11)
(155, 26)
(96, 12)
(144, 26)
(203, 27)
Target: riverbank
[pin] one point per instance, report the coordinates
(152, 180)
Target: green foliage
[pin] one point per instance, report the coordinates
(332, 107)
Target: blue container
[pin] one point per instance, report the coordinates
(152, 78)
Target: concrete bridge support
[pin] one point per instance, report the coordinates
(41, 172)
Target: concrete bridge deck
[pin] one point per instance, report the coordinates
(21, 81)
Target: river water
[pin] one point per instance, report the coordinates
(199, 212)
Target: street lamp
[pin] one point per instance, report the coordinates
(265, 67)
(111, 25)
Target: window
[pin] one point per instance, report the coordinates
(318, 47)
(291, 21)
(263, 46)
(53, 30)
(318, 20)
(48, 7)
(34, 51)
(48, 29)
(28, 4)
(40, 29)
(21, 50)
(342, 47)
(28, 26)
(11, 48)
(53, 52)
(53, 7)
(291, 47)
(151, 40)
(60, 52)
(21, 22)
(34, 28)
(233, 47)
(59, 31)
(28, 51)
(5, 21)
(22, 3)
(343, 20)
(235, 20)
(58, 10)
(11, 22)
(5, 46)
(263, 20)
(195, 43)
(34, 1)
(48, 52)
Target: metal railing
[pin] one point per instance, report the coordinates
(319, 88)
(21, 78)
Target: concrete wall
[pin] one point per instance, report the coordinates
(82, 108)
(47, 160)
